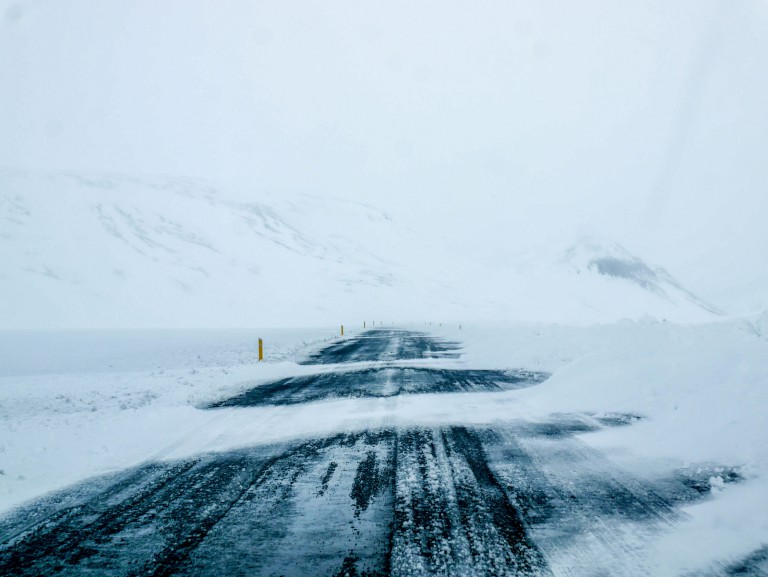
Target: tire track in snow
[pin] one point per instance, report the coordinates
(521, 499)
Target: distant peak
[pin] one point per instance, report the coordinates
(609, 259)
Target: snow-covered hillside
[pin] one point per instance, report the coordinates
(115, 251)
(110, 251)
(611, 260)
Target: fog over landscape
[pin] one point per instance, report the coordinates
(384, 288)
(492, 132)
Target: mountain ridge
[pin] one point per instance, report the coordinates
(84, 250)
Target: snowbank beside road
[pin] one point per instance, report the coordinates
(701, 392)
(702, 389)
(74, 404)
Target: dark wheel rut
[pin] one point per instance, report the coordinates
(522, 498)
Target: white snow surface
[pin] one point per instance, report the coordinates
(577, 188)
(108, 251)
(74, 404)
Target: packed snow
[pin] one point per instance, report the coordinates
(99, 402)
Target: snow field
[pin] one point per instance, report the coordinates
(79, 403)
(698, 391)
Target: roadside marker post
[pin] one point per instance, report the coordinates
(342, 330)
(261, 350)
(363, 324)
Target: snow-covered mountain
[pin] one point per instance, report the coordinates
(611, 260)
(116, 251)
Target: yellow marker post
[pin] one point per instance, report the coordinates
(342, 330)
(261, 350)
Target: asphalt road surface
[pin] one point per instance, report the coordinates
(386, 345)
(526, 498)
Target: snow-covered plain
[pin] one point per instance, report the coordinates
(78, 404)
(75, 403)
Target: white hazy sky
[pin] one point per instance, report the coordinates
(504, 121)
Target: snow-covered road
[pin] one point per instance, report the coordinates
(385, 497)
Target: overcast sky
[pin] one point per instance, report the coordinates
(644, 121)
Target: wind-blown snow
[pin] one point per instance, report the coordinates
(579, 185)
(108, 401)
(496, 131)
